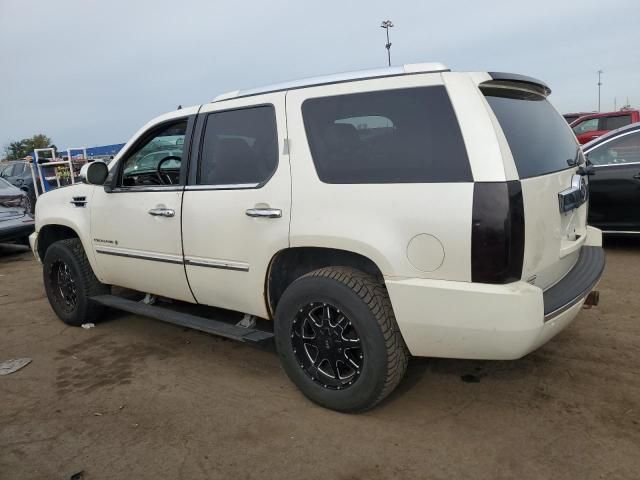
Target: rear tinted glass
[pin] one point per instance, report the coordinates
(612, 123)
(538, 136)
(394, 136)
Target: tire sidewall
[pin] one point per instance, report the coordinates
(60, 251)
(374, 372)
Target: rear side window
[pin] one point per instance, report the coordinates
(612, 123)
(394, 136)
(538, 136)
(239, 147)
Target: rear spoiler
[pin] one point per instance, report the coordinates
(501, 79)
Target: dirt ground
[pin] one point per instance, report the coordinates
(137, 398)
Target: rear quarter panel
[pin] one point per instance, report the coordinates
(378, 220)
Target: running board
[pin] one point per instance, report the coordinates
(215, 327)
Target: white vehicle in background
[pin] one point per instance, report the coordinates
(371, 216)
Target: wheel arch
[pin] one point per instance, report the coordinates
(51, 233)
(291, 263)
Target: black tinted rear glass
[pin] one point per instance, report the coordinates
(394, 136)
(538, 136)
(613, 123)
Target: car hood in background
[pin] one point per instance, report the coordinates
(12, 201)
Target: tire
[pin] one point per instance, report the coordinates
(322, 314)
(31, 198)
(32, 201)
(70, 282)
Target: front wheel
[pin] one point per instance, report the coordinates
(70, 283)
(338, 340)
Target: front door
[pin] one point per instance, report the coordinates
(135, 220)
(237, 205)
(615, 185)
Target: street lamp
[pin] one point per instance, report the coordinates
(387, 24)
(600, 72)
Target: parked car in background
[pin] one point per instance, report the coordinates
(18, 173)
(16, 222)
(594, 125)
(614, 186)
(572, 117)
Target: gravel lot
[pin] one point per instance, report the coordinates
(136, 398)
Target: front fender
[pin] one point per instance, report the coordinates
(55, 208)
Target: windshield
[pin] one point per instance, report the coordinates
(540, 140)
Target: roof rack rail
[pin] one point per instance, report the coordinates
(408, 69)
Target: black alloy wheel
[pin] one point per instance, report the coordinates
(64, 286)
(327, 346)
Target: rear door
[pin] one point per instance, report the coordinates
(615, 185)
(545, 153)
(236, 208)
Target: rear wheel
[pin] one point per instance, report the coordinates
(70, 282)
(338, 340)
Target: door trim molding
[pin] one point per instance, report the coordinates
(211, 263)
(175, 259)
(156, 257)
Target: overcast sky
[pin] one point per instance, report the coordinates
(88, 72)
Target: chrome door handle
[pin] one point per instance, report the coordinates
(637, 176)
(264, 212)
(162, 212)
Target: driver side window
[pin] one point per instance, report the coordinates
(157, 160)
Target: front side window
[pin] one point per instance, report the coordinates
(158, 159)
(590, 125)
(613, 123)
(240, 147)
(625, 149)
(394, 136)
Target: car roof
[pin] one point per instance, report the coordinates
(613, 133)
(412, 68)
(604, 114)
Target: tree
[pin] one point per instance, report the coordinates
(21, 148)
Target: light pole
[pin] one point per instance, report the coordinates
(600, 72)
(387, 24)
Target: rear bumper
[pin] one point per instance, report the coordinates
(495, 322)
(576, 284)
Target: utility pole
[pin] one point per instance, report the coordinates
(387, 24)
(600, 72)
(615, 104)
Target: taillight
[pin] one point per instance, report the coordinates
(497, 232)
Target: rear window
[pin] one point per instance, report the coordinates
(393, 136)
(613, 123)
(538, 136)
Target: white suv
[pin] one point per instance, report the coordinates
(371, 215)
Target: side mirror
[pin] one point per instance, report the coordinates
(94, 173)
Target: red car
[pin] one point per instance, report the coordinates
(594, 125)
